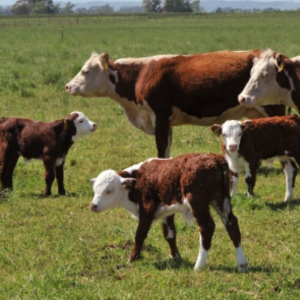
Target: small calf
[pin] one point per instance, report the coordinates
(49, 142)
(246, 144)
(158, 188)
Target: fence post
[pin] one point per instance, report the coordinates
(62, 32)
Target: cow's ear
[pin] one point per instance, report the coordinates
(128, 183)
(280, 59)
(67, 123)
(216, 129)
(93, 181)
(103, 60)
(245, 123)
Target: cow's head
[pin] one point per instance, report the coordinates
(81, 124)
(110, 191)
(231, 132)
(93, 78)
(268, 83)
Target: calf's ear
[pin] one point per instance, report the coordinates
(216, 129)
(93, 181)
(128, 183)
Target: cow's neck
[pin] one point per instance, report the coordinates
(292, 71)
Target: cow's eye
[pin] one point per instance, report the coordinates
(80, 121)
(108, 192)
(84, 72)
(224, 135)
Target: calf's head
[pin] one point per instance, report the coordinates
(268, 83)
(231, 132)
(82, 124)
(93, 78)
(110, 190)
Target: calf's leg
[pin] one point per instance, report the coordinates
(140, 236)
(234, 182)
(49, 175)
(169, 231)
(59, 173)
(230, 222)
(9, 159)
(206, 227)
(250, 177)
(290, 169)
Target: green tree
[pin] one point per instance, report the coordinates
(195, 5)
(33, 7)
(21, 7)
(68, 9)
(151, 5)
(177, 6)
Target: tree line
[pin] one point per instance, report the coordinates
(30, 7)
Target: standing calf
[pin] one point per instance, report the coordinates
(158, 188)
(49, 142)
(246, 144)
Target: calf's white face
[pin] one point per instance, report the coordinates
(262, 87)
(231, 132)
(93, 78)
(109, 191)
(83, 125)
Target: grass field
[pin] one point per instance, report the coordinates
(55, 248)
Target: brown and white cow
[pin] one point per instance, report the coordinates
(275, 79)
(246, 144)
(46, 141)
(160, 92)
(158, 188)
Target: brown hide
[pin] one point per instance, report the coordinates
(201, 179)
(38, 140)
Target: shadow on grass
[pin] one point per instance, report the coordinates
(291, 204)
(270, 171)
(173, 264)
(185, 264)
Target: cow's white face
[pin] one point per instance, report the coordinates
(262, 87)
(83, 125)
(93, 78)
(109, 191)
(231, 132)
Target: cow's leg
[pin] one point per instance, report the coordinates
(140, 236)
(59, 173)
(234, 178)
(290, 169)
(206, 227)
(230, 222)
(49, 175)
(169, 231)
(163, 135)
(250, 176)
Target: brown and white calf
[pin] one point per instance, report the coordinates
(158, 188)
(246, 144)
(160, 92)
(49, 142)
(275, 79)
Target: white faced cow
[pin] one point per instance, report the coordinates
(275, 79)
(246, 144)
(163, 91)
(158, 188)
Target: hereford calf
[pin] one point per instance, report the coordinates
(158, 188)
(246, 144)
(49, 142)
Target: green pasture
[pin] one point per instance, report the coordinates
(55, 248)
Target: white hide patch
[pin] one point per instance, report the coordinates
(59, 161)
(143, 60)
(83, 125)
